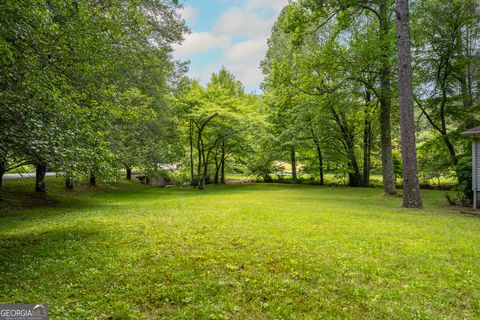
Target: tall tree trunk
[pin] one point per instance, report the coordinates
(319, 152)
(192, 177)
(205, 164)
(354, 177)
(217, 169)
(222, 164)
(367, 141)
(129, 172)
(93, 178)
(205, 160)
(348, 135)
(320, 161)
(386, 102)
(69, 182)
(200, 179)
(366, 154)
(294, 164)
(466, 82)
(466, 93)
(41, 169)
(411, 188)
(451, 150)
(202, 161)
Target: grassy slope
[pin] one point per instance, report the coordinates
(240, 252)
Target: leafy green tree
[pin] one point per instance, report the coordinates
(324, 21)
(445, 35)
(62, 65)
(219, 121)
(316, 70)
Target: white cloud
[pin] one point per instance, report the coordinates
(239, 22)
(251, 20)
(247, 51)
(250, 75)
(275, 5)
(188, 13)
(200, 42)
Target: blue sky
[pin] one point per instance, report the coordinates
(232, 33)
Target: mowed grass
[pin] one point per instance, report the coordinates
(262, 251)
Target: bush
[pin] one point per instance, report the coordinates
(464, 171)
(397, 164)
(180, 178)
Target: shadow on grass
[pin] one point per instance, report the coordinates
(22, 204)
(35, 241)
(18, 195)
(51, 261)
(23, 251)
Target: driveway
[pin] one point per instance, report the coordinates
(9, 176)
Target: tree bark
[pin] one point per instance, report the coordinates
(320, 161)
(93, 179)
(205, 168)
(222, 164)
(319, 151)
(217, 169)
(354, 177)
(451, 150)
(200, 161)
(129, 172)
(411, 188)
(294, 164)
(41, 169)
(192, 177)
(367, 141)
(206, 158)
(385, 102)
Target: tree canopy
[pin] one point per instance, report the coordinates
(90, 88)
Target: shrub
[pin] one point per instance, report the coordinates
(464, 171)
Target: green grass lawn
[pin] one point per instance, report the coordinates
(262, 251)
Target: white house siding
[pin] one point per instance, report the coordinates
(477, 160)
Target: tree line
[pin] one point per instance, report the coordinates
(330, 72)
(89, 88)
(350, 87)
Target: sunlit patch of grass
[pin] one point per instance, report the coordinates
(238, 252)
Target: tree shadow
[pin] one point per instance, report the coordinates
(23, 249)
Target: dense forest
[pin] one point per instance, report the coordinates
(90, 90)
